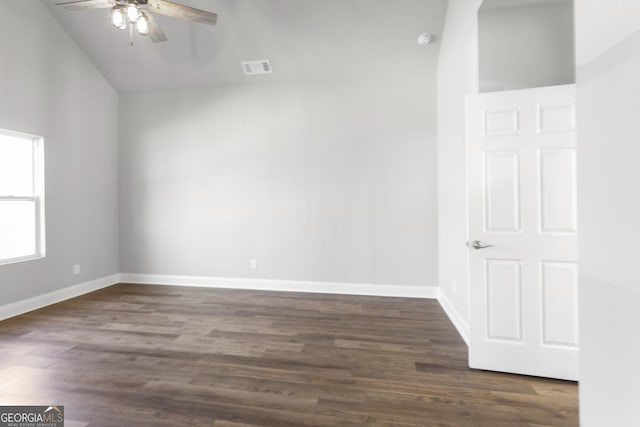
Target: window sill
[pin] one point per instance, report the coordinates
(21, 259)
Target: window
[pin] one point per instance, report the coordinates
(21, 197)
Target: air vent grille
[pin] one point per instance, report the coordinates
(252, 68)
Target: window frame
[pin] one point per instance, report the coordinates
(37, 197)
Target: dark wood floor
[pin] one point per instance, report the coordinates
(134, 355)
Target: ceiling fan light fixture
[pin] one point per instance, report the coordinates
(133, 13)
(143, 25)
(127, 14)
(118, 18)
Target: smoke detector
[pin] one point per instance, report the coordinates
(252, 68)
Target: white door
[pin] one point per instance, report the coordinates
(521, 154)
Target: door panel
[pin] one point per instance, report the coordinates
(559, 320)
(504, 299)
(558, 191)
(501, 122)
(521, 156)
(556, 118)
(502, 191)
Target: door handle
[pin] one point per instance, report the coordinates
(477, 245)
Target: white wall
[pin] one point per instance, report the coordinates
(608, 52)
(526, 46)
(457, 77)
(332, 181)
(49, 88)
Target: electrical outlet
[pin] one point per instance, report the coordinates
(254, 263)
(76, 269)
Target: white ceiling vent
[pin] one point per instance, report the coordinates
(256, 67)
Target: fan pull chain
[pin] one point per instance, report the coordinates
(130, 35)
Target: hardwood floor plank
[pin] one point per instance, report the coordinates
(133, 355)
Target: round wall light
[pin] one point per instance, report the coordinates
(425, 39)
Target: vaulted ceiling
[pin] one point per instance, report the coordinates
(304, 40)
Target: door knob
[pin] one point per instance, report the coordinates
(477, 245)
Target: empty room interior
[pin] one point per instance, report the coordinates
(244, 213)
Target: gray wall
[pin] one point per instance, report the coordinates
(608, 41)
(457, 77)
(49, 88)
(330, 181)
(526, 46)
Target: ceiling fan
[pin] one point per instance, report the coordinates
(136, 13)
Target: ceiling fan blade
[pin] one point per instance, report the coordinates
(87, 4)
(184, 12)
(155, 32)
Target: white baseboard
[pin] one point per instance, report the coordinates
(454, 315)
(429, 292)
(24, 306)
(405, 291)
